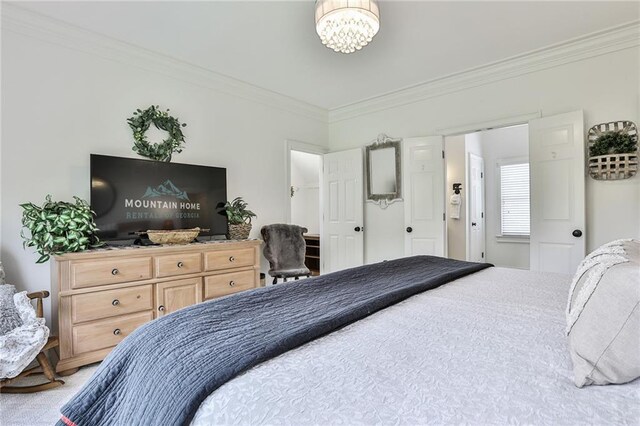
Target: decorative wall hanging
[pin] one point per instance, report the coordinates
(140, 123)
(613, 150)
(383, 168)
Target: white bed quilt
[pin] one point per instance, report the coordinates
(487, 349)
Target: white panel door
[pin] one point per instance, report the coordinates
(556, 155)
(423, 180)
(475, 219)
(342, 206)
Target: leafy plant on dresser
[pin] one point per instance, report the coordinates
(239, 217)
(58, 227)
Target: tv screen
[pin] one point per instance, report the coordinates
(131, 195)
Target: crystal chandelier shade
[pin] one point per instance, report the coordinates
(347, 25)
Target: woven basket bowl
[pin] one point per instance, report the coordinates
(239, 232)
(176, 236)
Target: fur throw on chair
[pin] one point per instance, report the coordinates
(19, 345)
(285, 250)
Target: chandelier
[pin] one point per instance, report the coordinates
(347, 25)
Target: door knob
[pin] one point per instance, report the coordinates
(115, 302)
(357, 229)
(116, 331)
(161, 308)
(409, 229)
(180, 264)
(473, 224)
(577, 233)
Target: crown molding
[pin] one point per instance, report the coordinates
(22, 21)
(577, 49)
(27, 23)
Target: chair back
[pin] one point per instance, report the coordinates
(284, 246)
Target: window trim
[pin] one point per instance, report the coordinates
(509, 238)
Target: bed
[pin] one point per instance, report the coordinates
(487, 348)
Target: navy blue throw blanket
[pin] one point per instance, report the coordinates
(164, 370)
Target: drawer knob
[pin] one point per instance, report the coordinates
(116, 331)
(115, 271)
(180, 264)
(232, 283)
(232, 259)
(161, 308)
(115, 302)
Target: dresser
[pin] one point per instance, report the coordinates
(104, 295)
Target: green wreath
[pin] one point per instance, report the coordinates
(140, 123)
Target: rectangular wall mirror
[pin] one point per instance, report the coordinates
(383, 170)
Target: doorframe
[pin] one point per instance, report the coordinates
(294, 145)
(464, 129)
(512, 120)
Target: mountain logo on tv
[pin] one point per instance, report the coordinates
(166, 189)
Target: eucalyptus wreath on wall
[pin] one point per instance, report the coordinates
(140, 123)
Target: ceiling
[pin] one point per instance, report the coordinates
(274, 45)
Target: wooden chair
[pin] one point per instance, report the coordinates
(44, 364)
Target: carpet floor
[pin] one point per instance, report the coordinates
(41, 408)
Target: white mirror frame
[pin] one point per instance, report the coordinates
(383, 142)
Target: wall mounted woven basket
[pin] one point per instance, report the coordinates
(613, 166)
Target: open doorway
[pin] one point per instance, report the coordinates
(305, 202)
(489, 220)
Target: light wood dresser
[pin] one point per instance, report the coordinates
(103, 295)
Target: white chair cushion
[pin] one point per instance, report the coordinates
(21, 345)
(9, 318)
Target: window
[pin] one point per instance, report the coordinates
(514, 199)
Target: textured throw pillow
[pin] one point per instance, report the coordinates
(603, 315)
(9, 317)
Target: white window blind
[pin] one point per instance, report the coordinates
(514, 199)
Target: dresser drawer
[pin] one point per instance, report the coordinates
(178, 264)
(106, 333)
(90, 273)
(109, 303)
(225, 259)
(229, 283)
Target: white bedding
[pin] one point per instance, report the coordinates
(489, 348)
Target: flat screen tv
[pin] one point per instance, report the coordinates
(131, 195)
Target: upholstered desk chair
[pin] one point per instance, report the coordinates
(285, 250)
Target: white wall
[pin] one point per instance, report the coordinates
(605, 87)
(502, 144)
(59, 105)
(305, 179)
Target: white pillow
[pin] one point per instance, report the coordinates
(603, 315)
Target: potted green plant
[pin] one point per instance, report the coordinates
(239, 219)
(58, 227)
(614, 142)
